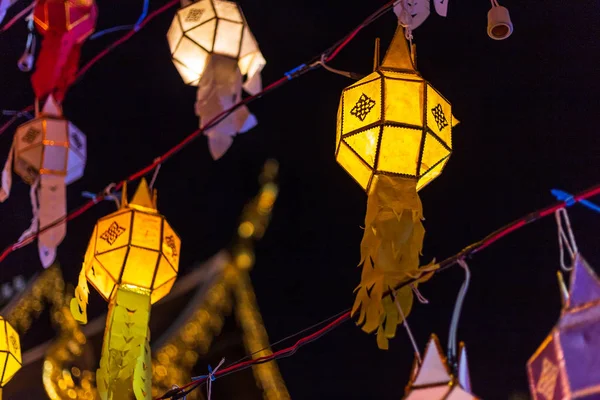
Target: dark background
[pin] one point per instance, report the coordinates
(528, 108)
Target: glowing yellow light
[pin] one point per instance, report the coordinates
(134, 247)
(393, 122)
(244, 260)
(246, 229)
(10, 352)
(209, 27)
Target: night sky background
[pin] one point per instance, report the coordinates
(529, 113)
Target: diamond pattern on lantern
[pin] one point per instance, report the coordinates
(440, 118)
(363, 107)
(31, 135)
(547, 381)
(112, 233)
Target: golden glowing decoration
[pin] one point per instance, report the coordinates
(213, 48)
(10, 353)
(393, 137)
(132, 261)
(49, 154)
(232, 289)
(61, 379)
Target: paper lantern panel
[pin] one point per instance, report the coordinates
(396, 124)
(206, 27)
(49, 146)
(134, 248)
(567, 364)
(77, 17)
(10, 352)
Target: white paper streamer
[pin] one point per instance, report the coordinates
(33, 227)
(53, 206)
(7, 175)
(219, 89)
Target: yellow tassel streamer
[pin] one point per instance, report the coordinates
(79, 303)
(125, 367)
(390, 251)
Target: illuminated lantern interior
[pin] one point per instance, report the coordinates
(211, 27)
(393, 122)
(134, 247)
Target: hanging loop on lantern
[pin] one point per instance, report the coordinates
(452, 342)
(211, 377)
(156, 170)
(408, 331)
(420, 296)
(563, 240)
(25, 63)
(405, 19)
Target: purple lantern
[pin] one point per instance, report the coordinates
(567, 364)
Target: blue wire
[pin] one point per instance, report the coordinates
(141, 18)
(570, 200)
(110, 30)
(144, 14)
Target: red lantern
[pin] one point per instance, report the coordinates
(65, 24)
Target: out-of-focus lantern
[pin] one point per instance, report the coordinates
(566, 365)
(132, 260)
(393, 137)
(10, 353)
(49, 153)
(65, 24)
(433, 380)
(4, 6)
(213, 48)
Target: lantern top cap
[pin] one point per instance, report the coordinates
(143, 199)
(398, 55)
(51, 108)
(433, 369)
(585, 285)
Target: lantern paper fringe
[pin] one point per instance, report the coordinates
(390, 251)
(219, 89)
(125, 365)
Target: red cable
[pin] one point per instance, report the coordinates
(472, 249)
(278, 354)
(14, 118)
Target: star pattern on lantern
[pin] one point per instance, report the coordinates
(547, 382)
(363, 107)
(439, 116)
(112, 233)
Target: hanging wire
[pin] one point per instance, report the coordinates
(452, 341)
(408, 331)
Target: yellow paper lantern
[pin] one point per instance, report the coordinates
(10, 353)
(132, 260)
(134, 247)
(211, 27)
(394, 136)
(393, 122)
